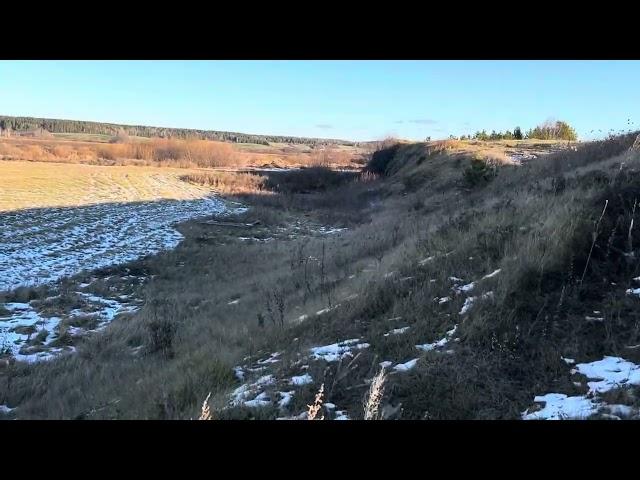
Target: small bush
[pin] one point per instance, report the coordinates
(121, 137)
(308, 180)
(558, 184)
(161, 335)
(478, 173)
(381, 159)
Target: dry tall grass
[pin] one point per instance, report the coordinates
(189, 153)
(205, 411)
(228, 183)
(315, 408)
(374, 397)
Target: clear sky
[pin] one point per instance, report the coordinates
(356, 100)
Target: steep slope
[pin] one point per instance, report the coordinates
(484, 293)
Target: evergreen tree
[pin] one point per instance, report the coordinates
(517, 133)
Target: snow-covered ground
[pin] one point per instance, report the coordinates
(41, 246)
(24, 323)
(603, 375)
(337, 351)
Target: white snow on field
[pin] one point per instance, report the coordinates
(240, 395)
(110, 308)
(286, 398)
(301, 380)
(273, 358)
(397, 331)
(609, 373)
(23, 315)
(239, 373)
(443, 300)
(470, 286)
(427, 347)
(4, 409)
(403, 367)
(262, 400)
(633, 291)
(604, 375)
(341, 415)
(559, 406)
(465, 288)
(386, 364)
(468, 302)
(337, 351)
(41, 246)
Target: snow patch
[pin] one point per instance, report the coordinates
(285, 398)
(604, 375)
(341, 415)
(559, 406)
(300, 380)
(397, 331)
(40, 248)
(404, 367)
(492, 274)
(427, 347)
(337, 351)
(424, 261)
(609, 373)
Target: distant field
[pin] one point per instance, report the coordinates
(92, 137)
(37, 184)
(96, 149)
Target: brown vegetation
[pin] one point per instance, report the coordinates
(189, 153)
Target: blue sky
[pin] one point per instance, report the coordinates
(358, 100)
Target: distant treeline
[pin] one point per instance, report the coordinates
(547, 131)
(27, 124)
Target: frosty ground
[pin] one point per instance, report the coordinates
(40, 246)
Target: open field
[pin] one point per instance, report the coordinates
(190, 153)
(58, 220)
(41, 185)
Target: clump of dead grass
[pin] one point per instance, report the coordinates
(315, 408)
(374, 397)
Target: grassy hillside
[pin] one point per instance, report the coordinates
(472, 281)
